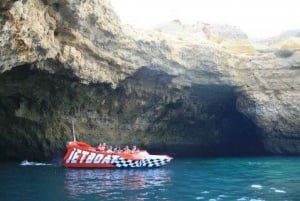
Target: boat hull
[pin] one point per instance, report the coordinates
(82, 155)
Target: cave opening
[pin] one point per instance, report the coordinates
(147, 108)
(197, 120)
(233, 134)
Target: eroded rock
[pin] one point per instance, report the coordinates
(85, 41)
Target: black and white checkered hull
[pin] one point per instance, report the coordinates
(149, 161)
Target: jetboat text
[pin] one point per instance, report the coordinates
(81, 156)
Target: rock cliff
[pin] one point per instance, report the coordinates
(201, 87)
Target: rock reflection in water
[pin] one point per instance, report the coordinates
(107, 183)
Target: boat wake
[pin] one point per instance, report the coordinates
(29, 163)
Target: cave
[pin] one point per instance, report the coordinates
(203, 118)
(146, 109)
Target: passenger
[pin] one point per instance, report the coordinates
(118, 150)
(133, 150)
(110, 150)
(126, 150)
(103, 147)
(98, 148)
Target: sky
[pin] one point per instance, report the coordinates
(257, 18)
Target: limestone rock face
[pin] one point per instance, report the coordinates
(270, 97)
(229, 37)
(85, 41)
(64, 35)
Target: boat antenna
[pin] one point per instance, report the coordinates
(73, 131)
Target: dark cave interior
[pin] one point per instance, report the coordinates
(196, 121)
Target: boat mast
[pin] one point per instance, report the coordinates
(73, 131)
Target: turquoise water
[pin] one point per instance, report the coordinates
(258, 178)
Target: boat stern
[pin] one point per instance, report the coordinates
(156, 160)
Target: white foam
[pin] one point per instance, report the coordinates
(205, 192)
(278, 190)
(242, 199)
(199, 198)
(28, 163)
(257, 186)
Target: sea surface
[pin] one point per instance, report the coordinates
(241, 179)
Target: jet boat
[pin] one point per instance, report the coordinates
(82, 155)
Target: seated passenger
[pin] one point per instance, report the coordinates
(98, 148)
(110, 149)
(103, 147)
(133, 150)
(118, 150)
(126, 150)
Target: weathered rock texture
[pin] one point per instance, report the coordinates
(203, 87)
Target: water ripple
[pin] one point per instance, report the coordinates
(237, 179)
(115, 183)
